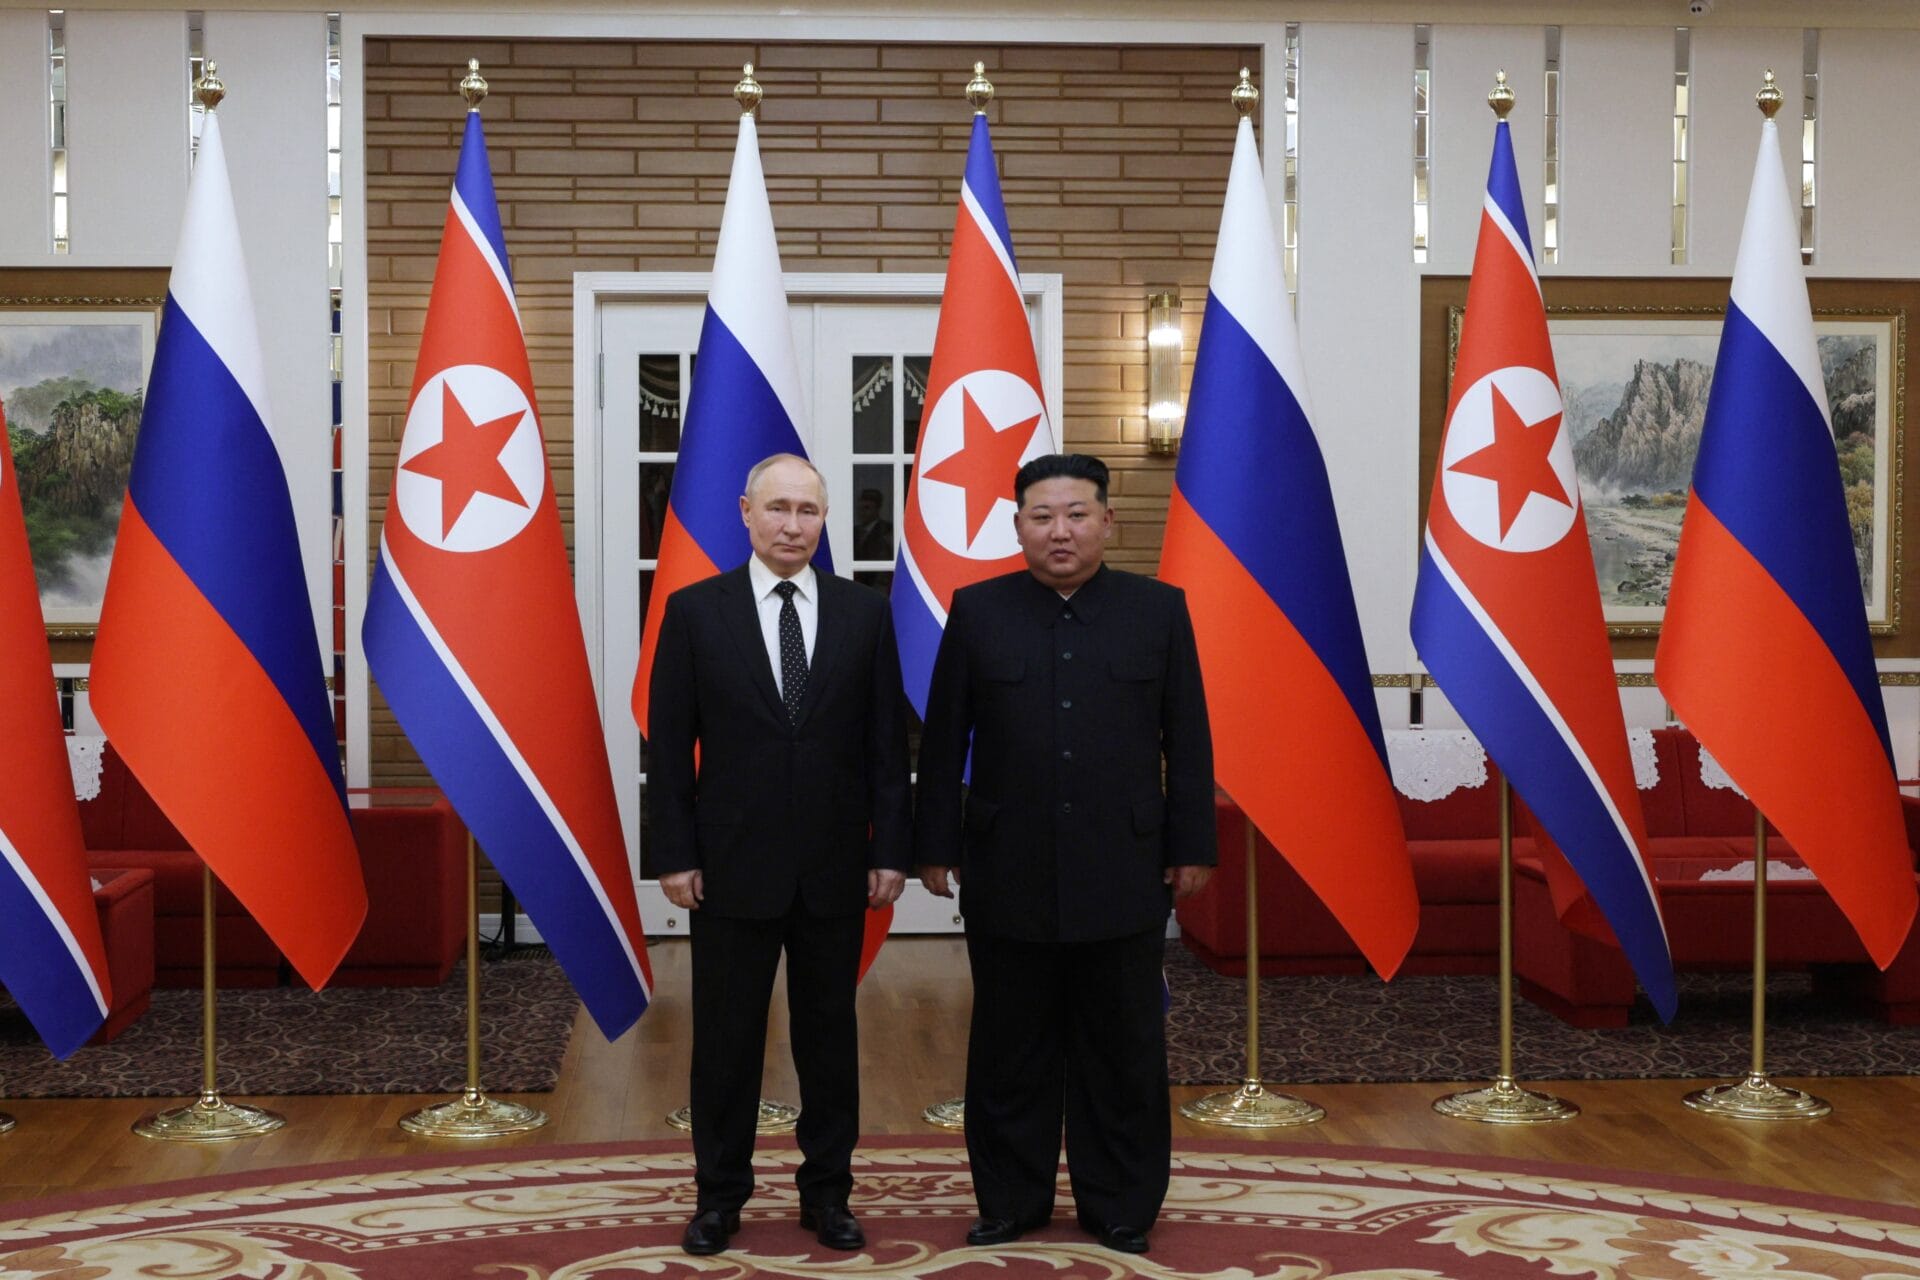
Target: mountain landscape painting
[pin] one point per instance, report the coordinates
(1635, 398)
(72, 386)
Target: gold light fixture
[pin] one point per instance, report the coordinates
(1166, 414)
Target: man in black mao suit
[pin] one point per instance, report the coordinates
(794, 822)
(1090, 807)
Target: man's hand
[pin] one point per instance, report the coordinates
(884, 887)
(683, 889)
(1187, 881)
(935, 878)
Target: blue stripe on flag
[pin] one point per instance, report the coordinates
(984, 181)
(1503, 185)
(500, 809)
(40, 973)
(917, 633)
(207, 480)
(473, 179)
(734, 419)
(1766, 455)
(1543, 770)
(1252, 469)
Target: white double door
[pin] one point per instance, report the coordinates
(863, 344)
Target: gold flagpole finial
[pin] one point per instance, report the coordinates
(1501, 96)
(473, 86)
(1769, 98)
(208, 90)
(979, 89)
(1246, 96)
(748, 92)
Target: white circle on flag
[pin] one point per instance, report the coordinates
(485, 396)
(1474, 500)
(1007, 401)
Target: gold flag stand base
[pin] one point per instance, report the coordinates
(1504, 1102)
(472, 1115)
(6, 1122)
(951, 1114)
(774, 1117)
(211, 1119)
(1758, 1098)
(1251, 1106)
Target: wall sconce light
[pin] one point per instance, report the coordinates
(1165, 413)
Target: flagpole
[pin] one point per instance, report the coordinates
(211, 1118)
(473, 1114)
(1504, 1101)
(1757, 1097)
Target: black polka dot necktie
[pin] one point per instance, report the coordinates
(793, 653)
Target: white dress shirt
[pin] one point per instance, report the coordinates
(806, 602)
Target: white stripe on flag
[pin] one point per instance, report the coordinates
(1514, 241)
(485, 246)
(992, 235)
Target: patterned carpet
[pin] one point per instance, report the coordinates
(1286, 1212)
(1326, 1030)
(288, 1040)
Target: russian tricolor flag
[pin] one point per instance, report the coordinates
(472, 629)
(984, 416)
(52, 960)
(1506, 608)
(745, 404)
(1764, 650)
(206, 672)
(1253, 539)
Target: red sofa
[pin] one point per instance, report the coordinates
(1455, 850)
(1456, 864)
(412, 851)
(124, 904)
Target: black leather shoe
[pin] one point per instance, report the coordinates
(833, 1226)
(709, 1232)
(1123, 1239)
(989, 1231)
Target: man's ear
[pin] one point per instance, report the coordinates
(746, 509)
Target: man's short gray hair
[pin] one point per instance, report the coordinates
(753, 476)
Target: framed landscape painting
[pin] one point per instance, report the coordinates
(1636, 358)
(75, 347)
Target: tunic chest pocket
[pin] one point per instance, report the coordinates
(1138, 666)
(1003, 670)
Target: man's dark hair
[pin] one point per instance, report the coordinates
(1052, 466)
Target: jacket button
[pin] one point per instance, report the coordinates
(1066, 755)
(1067, 807)
(1067, 656)
(1066, 704)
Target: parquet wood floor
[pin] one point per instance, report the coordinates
(913, 1012)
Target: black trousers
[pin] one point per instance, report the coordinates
(733, 966)
(1075, 1032)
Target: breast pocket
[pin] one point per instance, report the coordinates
(1131, 667)
(1003, 670)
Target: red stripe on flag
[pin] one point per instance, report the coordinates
(1750, 676)
(1289, 749)
(878, 925)
(209, 736)
(682, 563)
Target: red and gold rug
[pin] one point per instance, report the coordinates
(1288, 1212)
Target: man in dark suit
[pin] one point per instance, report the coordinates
(1076, 685)
(795, 821)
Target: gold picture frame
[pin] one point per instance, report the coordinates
(1603, 328)
(76, 345)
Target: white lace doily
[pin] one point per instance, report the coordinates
(83, 757)
(1431, 764)
(1712, 775)
(1775, 871)
(1646, 762)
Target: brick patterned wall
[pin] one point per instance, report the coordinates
(613, 156)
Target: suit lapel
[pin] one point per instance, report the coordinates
(743, 624)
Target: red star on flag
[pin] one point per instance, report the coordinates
(467, 459)
(1518, 461)
(986, 463)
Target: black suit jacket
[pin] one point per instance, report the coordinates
(773, 809)
(1075, 711)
